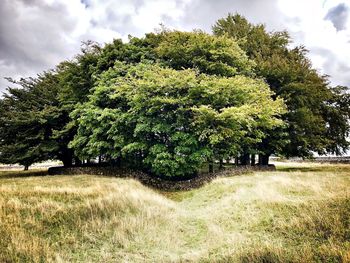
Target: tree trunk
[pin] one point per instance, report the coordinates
(236, 161)
(211, 167)
(66, 157)
(99, 159)
(77, 161)
(118, 161)
(221, 163)
(67, 161)
(252, 160)
(26, 167)
(245, 159)
(264, 159)
(227, 161)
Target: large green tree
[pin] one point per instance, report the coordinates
(29, 114)
(169, 122)
(317, 117)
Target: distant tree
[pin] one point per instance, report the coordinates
(170, 122)
(315, 120)
(336, 114)
(29, 114)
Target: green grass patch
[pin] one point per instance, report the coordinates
(291, 215)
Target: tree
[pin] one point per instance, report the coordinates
(169, 122)
(29, 114)
(75, 79)
(209, 54)
(336, 113)
(179, 50)
(78, 76)
(315, 122)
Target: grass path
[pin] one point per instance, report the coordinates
(301, 213)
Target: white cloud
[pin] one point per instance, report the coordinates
(37, 34)
(329, 47)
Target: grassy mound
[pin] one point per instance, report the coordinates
(299, 213)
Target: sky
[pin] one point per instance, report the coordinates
(35, 35)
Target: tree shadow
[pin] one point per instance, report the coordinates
(6, 174)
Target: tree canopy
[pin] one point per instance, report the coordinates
(172, 101)
(314, 111)
(29, 115)
(170, 122)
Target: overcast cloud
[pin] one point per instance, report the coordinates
(35, 35)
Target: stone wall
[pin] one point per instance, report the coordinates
(155, 182)
(323, 159)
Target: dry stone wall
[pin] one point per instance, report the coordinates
(155, 182)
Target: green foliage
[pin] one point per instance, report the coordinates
(28, 116)
(76, 77)
(237, 111)
(336, 113)
(171, 121)
(209, 54)
(134, 51)
(170, 101)
(315, 120)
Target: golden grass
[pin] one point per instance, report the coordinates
(301, 213)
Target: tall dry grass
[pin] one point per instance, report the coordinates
(300, 213)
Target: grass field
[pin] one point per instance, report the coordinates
(301, 213)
